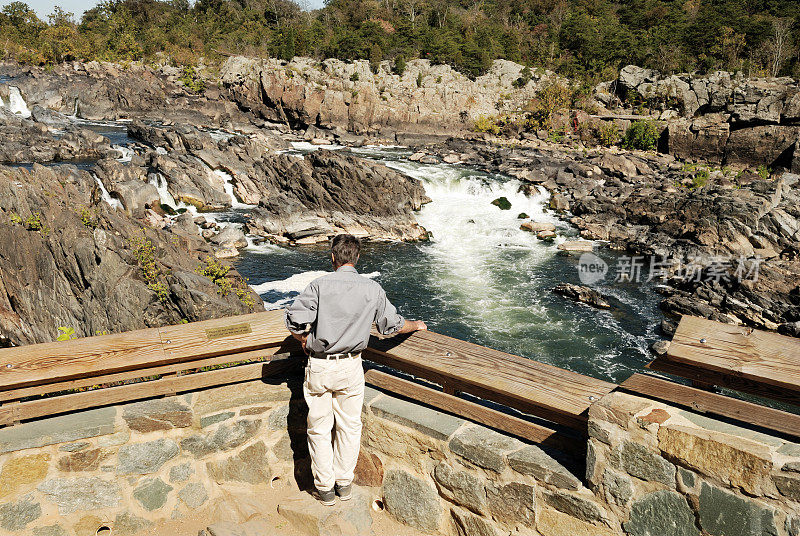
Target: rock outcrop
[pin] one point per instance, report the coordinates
(300, 199)
(426, 98)
(67, 259)
(722, 117)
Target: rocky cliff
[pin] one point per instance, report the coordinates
(722, 118)
(426, 98)
(69, 260)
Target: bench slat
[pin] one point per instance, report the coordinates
(39, 364)
(738, 351)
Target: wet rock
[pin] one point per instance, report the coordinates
(582, 294)
(537, 227)
(230, 237)
(502, 203)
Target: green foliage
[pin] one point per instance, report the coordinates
(144, 252)
(550, 99)
(66, 334)
(641, 135)
(572, 37)
(525, 76)
(192, 80)
(226, 283)
(488, 124)
(399, 65)
(32, 223)
(522, 216)
(88, 218)
(355, 77)
(764, 172)
(608, 134)
(420, 79)
(700, 178)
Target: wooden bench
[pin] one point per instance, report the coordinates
(45, 379)
(545, 391)
(736, 357)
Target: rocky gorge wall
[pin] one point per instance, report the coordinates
(223, 452)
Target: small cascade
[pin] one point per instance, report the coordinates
(113, 203)
(16, 104)
(226, 177)
(126, 152)
(158, 180)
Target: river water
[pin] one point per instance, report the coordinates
(479, 278)
(482, 279)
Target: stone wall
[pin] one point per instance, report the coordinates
(651, 470)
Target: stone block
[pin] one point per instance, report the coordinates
(50, 530)
(461, 487)
(790, 449)
(194, 495)
(618, 408)
(793, 525)
(152, 493)
(618, 488)
(411, 501)
(534, 462)
(369, 470)
(469, 524)
(637, 460)
(723, 513)
(157, 414)
(209, 420)
(240, 394)
(551, 522)
(145, 458)
(87, 526)
(400, 442)
(434, 423)
(84, 493)
(738, 462)
(663, 513)
(309, 517)
(250, 466)
(484, 447)
(788, 485)
(577, 506)
(225, 437)
(85, 460)
(23, 472)
(291, 417)
(127, 524)
(513, 503)
(61, 429)
(17, 515)
(180, 473)
(73, 447)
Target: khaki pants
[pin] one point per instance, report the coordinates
(334, 392)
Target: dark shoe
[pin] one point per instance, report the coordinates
(344, 492)
(328, 498)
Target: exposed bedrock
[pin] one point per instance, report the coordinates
(69, 260)
(301, 199)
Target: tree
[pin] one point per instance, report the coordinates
(780, 47)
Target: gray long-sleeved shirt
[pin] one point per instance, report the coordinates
(337, 310)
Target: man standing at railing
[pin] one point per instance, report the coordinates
(332, 320)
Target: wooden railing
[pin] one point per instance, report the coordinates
(532, 400)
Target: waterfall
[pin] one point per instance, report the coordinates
(126, 152)
(158, 180)
(16, 104)
(113, 203)
(226, 177)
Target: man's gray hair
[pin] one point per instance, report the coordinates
(346, 248)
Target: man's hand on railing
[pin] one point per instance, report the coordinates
(413, 325)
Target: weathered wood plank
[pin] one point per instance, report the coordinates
(492, 418)
(177, 368)
(704, 376)
(705, 402)
(738, 351)
(15, 412)
(549, 392)
(38, 364)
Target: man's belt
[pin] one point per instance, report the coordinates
(337, 357)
